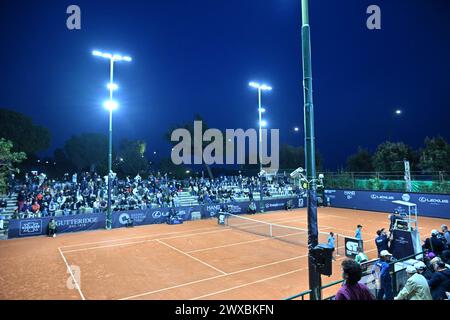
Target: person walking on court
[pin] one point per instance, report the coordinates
(416, 287)
(358, 235)
(352, 289)
(385, 279)
(331, 244)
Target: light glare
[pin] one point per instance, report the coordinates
(112, 86)
(111, 105)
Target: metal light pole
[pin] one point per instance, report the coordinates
(310, 161)
(260, 88)
(111, 105)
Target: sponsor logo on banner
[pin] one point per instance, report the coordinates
(351, 247)
(76, 222)
(330, 191)
(406, 197)
(159, 214)
(349, 194)
(123, 218)
(213, 208)
(274, 205)
(433, 200)
(30, 227)
(381, 197)
(234, 209)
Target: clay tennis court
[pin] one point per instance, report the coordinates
(195, 260)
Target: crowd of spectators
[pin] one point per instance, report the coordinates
(428, 279)
(39, 196)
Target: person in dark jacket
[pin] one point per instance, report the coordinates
(434, 244)
(440, 282)
(423, 270)
(382, 241)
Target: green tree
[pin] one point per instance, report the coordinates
(293, 157)
(8, 160)
(390, 155)
(177, 171)
(20, 130)
(361, 161)
(435, 156)
(132, 158)
(88, 151)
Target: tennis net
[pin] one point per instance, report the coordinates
(293, 235)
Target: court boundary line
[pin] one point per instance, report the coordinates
(71, 274)
(192, 257)
(245, 242)
(159, 234)
(212, 278)
(183, 235)
(260, 280)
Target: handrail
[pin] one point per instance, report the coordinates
(366, 273)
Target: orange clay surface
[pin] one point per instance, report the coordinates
(195, 260)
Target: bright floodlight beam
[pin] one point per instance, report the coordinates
(111, 105)
(260, 87)
(398, 111)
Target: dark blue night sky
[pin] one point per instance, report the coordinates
(198, 56)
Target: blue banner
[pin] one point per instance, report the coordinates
(428, 205)
(92, 221)
(39, 226)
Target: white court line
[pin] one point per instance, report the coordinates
(139, 237)
(244, 242)
(148, 240)
(71, 274)
(211, 278)
(192, 257)
(160, 234)
(247, 284)
(258, 281)
(185, 234)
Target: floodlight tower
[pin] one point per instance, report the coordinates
(111, 105)
(261, 123)
(310, 161)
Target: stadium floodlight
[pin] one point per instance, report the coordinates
(112, 86)
(398, 112)
(262, 123)
(296, 129)
(111, 105)
(97, 53)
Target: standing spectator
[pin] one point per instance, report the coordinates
(416, 287)
(382, 241)
(446, 234)
(440, 281)
(434, 243)
(385, 279)
(423, 270)
(352, 289)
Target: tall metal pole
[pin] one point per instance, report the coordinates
(310, 161)
(261, 205)
(111, 78)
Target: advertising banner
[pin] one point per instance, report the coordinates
(430, 205)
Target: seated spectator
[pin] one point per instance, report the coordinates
(416, 287)
(361, 257)
(434, 244)
(440, 281)
(446, 235)
(352, 289)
